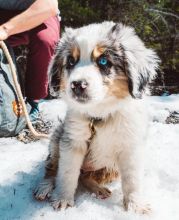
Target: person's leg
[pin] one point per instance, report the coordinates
(43, 40)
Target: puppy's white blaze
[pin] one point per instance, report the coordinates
(93, 33)
(85, 49)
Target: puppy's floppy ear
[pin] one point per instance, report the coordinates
(55, 70)
(140, 62)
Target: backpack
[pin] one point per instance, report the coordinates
(12, 120)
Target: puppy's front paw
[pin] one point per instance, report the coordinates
(44, 189)
(58, 203)
(131, 204)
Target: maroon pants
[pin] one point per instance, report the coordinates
(41, 42)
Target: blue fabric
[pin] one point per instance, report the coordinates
(15, 4)
(10, 123)
(34, 112)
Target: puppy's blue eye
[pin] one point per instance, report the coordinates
(103, 61)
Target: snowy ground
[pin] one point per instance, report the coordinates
(21, 167)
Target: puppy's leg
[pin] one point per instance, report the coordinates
(71, 159)
(94, 181)
(130, 173)
(46, 186)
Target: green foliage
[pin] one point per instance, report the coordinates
(155, 21)
(76, 13)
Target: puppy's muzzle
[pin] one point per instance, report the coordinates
(79, 90)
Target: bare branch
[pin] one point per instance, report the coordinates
(162, 12)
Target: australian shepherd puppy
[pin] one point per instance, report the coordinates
(101, 71)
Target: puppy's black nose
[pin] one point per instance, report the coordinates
(79, 87)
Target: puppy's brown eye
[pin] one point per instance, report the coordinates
(70, 62)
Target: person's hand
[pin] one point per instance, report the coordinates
(3, 33)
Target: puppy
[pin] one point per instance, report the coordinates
(101, 71)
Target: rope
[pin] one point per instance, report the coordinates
(19, 93)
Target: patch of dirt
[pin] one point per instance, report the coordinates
(40, 125)
(173, 118)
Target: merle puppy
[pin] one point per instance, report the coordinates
(101, 71)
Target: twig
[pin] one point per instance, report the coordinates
(162, 12)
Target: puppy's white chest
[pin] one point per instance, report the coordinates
(118, 134)
(105, 146)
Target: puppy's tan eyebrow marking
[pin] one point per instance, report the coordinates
(75, 52)
(98, 51)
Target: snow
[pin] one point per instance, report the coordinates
(21, 168)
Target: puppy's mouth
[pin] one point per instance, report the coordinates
(82, 99)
